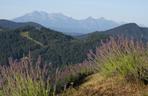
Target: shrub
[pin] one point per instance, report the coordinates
(23, 78)
(72, 75)
(122, 56)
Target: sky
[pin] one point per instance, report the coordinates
(117, 10)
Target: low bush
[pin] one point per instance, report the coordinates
(23, 78)
(124, 57)
(72, 75)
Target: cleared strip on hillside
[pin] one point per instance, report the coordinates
(26, 35)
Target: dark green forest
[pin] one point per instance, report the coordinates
(54, 47)
(19, 39)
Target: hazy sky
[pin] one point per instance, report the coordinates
(118, 10)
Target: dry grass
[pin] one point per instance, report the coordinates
(115, 86)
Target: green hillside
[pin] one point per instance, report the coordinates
(54, 47)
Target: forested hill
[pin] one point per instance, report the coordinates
(130, 30)
(53, 46)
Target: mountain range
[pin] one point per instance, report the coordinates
(17, 39)
(69, 25)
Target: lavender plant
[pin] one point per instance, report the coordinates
(22, 78)
(122, 56)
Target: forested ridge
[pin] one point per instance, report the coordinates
(54, 47)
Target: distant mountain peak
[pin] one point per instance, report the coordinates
(90, 18)
(38, 13)
(63, 23)
(102, 18)
(57, 14)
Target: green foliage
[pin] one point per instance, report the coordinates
(73, 75)
(20, 86)
(54, 47)
(25, 79)
(123, 57)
